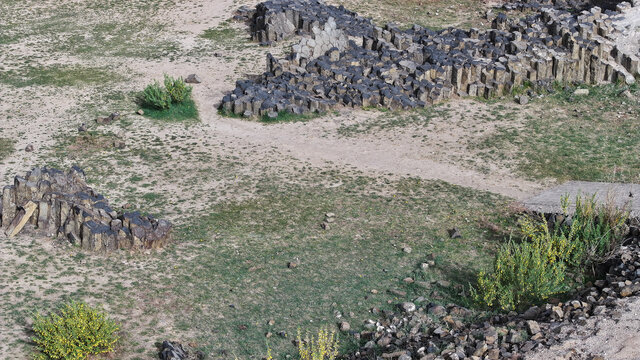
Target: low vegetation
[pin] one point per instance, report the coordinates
(6, 147)
(56, 75)
(323, 346)
(244, 210)
(548, 262)
(282, 117)
(169, 102)
(568, 137)
(74, 333)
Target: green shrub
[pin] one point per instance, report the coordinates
(75, 332)
(178, 90)
(546, 261)
(599, 229)
(324, 346)
(527, 272)
(157, 97)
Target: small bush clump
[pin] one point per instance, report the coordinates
(601, 229)
(178, 90)
(155, 96)
(527, 272)
(548, 261)
(322, 347)
(174, 92)
(73, 333)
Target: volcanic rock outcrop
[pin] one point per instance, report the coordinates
(403, 69)
(61, 204)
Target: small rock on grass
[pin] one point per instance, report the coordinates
(626, 93)
(408, 307)
(345, 326)
(581, 92)
(140, 112)
(103, 120)
(454, 233)
(29, 148)
(397, 292)
(523, 99)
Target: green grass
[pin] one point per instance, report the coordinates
(246, 260)
(226, 274)
(287, 117)
(223, 33)
(388, 120)
(6, 147)
(57, 75)
(434, 14)
(90, 29)
(184, 111)
(591, 138)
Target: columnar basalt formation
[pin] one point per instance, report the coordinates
(61, 204)
(402, 69)
(278, 20)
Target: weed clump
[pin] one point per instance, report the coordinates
(177, 89)
(324, 346)
(551, 261)
(155, 96)
(168, 101)
(6, 147)
(74, 333)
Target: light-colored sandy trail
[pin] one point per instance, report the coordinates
(369, 155)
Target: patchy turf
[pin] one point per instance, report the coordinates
(569, 137)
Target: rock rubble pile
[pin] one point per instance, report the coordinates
(403, 69)
(61, 204)
(435, 332)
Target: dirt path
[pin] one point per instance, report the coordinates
(398, 156)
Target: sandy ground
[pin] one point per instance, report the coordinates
(612, 337)
(316, 142)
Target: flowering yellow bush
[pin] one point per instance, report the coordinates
(536, 268)
(322, 347)
(526, 272)
(75, 332)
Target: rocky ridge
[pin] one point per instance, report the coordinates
(403, 69)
